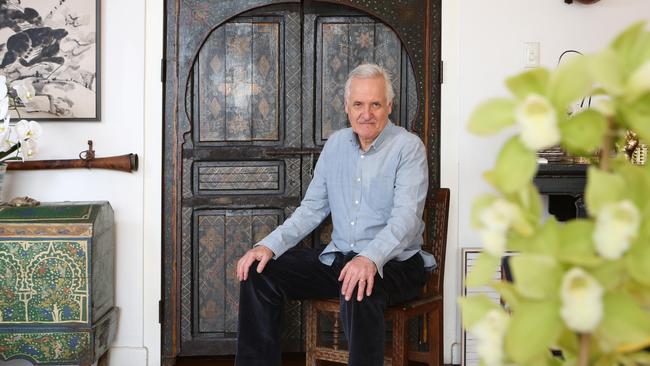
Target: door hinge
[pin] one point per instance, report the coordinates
(163, 70)
(161, 309)
(440, 72)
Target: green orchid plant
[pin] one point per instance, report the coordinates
(580, 287)
(17, 141)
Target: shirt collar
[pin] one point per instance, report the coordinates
(378, 141)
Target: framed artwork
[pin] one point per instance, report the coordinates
(52, 45)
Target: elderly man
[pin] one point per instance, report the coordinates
(372, 178)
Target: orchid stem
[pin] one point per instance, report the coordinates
(16, 109)
(583, 356)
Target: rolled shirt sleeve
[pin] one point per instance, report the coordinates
(313, 209)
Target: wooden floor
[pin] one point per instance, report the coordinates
(289, 359)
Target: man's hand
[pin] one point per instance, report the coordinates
(359, 270)
(259, 253)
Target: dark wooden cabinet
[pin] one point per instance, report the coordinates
(253, 89)
(564, 184)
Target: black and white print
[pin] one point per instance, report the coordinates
(52, 45)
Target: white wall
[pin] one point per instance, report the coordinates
(120, 131)
(482, 45)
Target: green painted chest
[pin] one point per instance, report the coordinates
(57, 297)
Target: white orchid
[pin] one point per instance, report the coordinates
(17, 141)
(28, 148)
(27, 130)
(494, 241)
(24, 90)
(490, 332)
(28, 133)
(5, 135)
(582, 305)
(538, 121)
(499, 215)
(617, 225)
(495, 221)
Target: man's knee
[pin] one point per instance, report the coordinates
(376, 301)
(253, 275)
(262, 283)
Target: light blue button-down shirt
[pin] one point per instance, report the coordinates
(376, 199)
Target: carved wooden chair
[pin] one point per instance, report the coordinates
(427, 310)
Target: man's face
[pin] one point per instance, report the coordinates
(367, 108)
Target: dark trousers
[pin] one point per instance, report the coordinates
(299, 275)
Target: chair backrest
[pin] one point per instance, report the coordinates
(435, 236)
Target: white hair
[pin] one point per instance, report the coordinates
(369, 71)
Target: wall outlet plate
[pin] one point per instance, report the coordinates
(531, 54)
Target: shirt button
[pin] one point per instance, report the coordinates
(352, 223)
(363, 156)
(352, 245)
(356, 202)
(358, 179)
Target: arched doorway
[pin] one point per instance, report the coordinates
(253, 90)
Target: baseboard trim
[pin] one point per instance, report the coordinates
(127, 356)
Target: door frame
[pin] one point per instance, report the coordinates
(416, 22)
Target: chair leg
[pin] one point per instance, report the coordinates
(310, 359)
(436, 336)
(400, 341)
(312, 319)
(336, 331)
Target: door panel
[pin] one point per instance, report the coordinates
(344, 42)
(238, 185)
(335, 50)
(212, 88)
(238, 81)
(238, 76)
(248, 177)
(211, 277)
(223, 236)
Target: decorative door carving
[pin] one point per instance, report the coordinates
(253, 91)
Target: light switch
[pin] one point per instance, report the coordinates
(531, 54)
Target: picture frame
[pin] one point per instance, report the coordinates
(54, 46)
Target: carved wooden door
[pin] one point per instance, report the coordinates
(246, 116)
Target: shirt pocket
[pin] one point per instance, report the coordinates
(380, 194)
